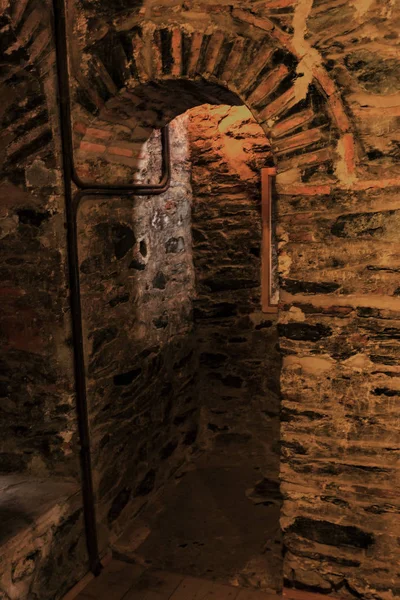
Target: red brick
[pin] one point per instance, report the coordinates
(213, 51)
(176, 49)
(256, 67)
(98, 134)
(138, 53)
(247, 17)
(91, 147)
(79, 127)
(197, 39)
(299, 140)
(233, 60)
(281, 3)
(39, 45)
(287, 125)
(212, 8)
(268, 85)
(11, 292)
(120, 151)
(324, 80)
(310, 158)
(336, 107)
(374, 183)
(275, 108)
(156, 57)
(266, 24)
(305, 190)
(349, 152)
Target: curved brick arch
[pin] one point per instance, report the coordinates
(303, 116)
(28, 58)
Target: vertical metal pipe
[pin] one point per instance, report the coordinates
(81, 396)
(72, 202)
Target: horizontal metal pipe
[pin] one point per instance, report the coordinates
(66, 124)
(138, 189)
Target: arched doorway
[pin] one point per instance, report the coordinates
(303, 132)
(172, 303)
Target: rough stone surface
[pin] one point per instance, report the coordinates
(171, 365)
(138, 325)
(37, 429)
(42, 529)
(322, 80)
(238, 359)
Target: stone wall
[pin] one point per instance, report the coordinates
(40, 502)
(137, 288)
(339, 338)
(321, 77)
(239, 364)
(37, 420)
(238, 383)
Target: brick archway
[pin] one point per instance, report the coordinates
(298, 108)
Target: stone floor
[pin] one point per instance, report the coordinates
(209, 523)
(124, 581)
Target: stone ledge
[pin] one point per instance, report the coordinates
(32, 510)
(26, 502)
